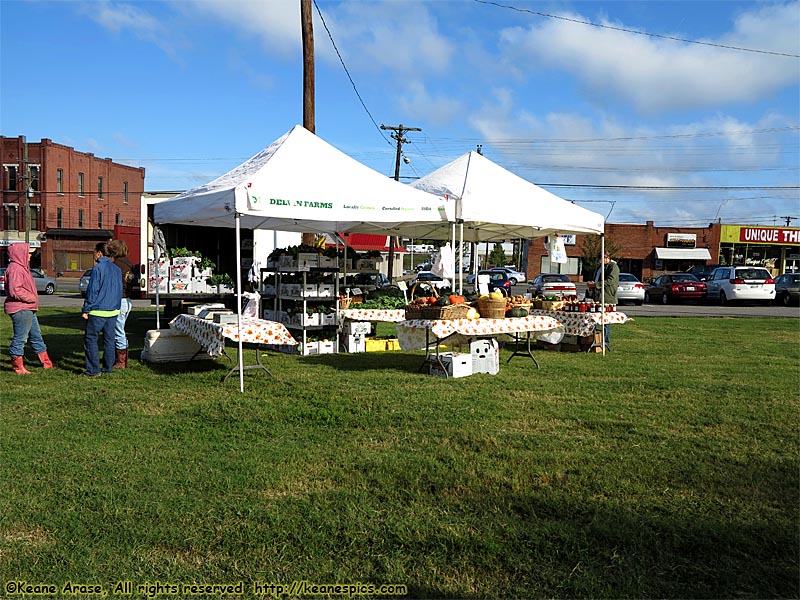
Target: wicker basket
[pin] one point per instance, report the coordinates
(413, 312)
(344, 303)
(445, 313)
(553, 304)
(526, 305)
(492, 309)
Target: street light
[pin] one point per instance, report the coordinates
(28, 196)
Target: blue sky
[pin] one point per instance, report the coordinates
(191, 89)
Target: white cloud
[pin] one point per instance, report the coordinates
(656, 75)
(418, 103)
(121, 17)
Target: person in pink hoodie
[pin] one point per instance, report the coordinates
(22, 302)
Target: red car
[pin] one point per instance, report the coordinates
(674, 287)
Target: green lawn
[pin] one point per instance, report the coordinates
(669, 469)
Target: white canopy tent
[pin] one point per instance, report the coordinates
(301, 183)
(492, 203)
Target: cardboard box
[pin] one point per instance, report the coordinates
(357, 327)
(268, 289)
(179, 261)
(287, 262)
(226, 318)
(305, 320)
(162, 284)
(198, 308)
(485, 356)
(309, 348)
(354, 343)
(455, 365)
(366, 264)
(307, 260)
(180, 286)
(180, 271)
(327, 347)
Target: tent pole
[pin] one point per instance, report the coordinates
(237, 218)
(603, 289)
(461, 259)
(453, 246)
(157, 256)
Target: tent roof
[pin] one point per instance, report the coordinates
(368, 241)
(302, 183)
(496, 204)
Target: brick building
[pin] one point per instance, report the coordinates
(648, 251)
(76, 199)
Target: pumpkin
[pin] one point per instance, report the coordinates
(443, 301)
(473, 314)
(456, 299)
(517, 312)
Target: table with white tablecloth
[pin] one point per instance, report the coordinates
(211, 336)
(422, 334)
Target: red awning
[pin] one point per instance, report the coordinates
(362, 242)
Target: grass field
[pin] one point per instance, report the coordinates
(669, 469)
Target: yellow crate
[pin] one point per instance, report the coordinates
(373, 345)
(393, 344)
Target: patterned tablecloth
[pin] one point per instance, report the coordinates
(581, 324)
(212, 335)
(373, 315)
(412, 334)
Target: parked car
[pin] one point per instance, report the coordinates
(787, 288)
(514, 276)
(552, 284)
(44, 284)
(431, 279)
(370, 281)
(703, 273)
(630, 289)
(729, 284)
(674, 287)
(83, 282)
(497, 280)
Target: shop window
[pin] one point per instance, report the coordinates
(81, 190)
(34, 213)
(60, 182)
(59, 218)
(74, 261)
(80, 218)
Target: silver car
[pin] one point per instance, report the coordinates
(630, 289)
(44, 284)
(83, 282)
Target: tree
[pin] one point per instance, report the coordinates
(590, 254)
(497, 256)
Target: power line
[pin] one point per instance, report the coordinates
(637, 32)
(344, 66)
(669, 187)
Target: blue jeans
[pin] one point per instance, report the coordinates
(94, 327)
(26, 327)
(607, 335)
(124, 311)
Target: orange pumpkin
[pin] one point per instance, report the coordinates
(456, 299)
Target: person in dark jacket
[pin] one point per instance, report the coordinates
(100, 309)
(22, 302)
(607, 282)
(118, 253)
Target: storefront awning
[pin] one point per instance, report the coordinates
(683, 254)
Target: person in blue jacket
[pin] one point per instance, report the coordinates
(100, 309)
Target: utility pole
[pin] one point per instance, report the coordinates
(308, 79)
(397, 134)
(788, 220)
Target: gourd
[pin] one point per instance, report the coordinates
(517, 312)
(443, 301)
(473, 314)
